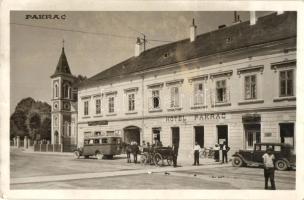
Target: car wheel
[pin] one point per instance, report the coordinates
(98, 156)
(281, 165)
(76, 154)
(237, 162)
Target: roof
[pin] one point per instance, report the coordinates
(269, 28)
(62, 66)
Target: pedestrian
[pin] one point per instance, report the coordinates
(225, 149)
(216, 153)
(174, 154)
(197, 149)
(268, 160)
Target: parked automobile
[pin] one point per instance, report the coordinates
(100, 146)
(284, 156)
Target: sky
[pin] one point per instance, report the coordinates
(93, 42)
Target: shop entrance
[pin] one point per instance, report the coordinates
(252, 135)
(222, 134)
(155, 135)
(287, 133)
(199, 135)
(131, 133)
(175, 136)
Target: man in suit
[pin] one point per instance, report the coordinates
(225, 149)
(174, 154)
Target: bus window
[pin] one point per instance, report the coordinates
(91, 142)
(114, 140)
(104, 140)
(86, 142)
(96, 141)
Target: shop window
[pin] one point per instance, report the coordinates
(221, 91)
(250, 87)
(86, 108)
(131, 102)
(174, 97)
(286, 83)
(98, 106)
(111, 104)
(287, 133)
(155, 99)
(198, 94)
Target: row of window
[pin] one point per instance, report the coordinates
(221, 93)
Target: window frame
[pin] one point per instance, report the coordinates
(250, 76)
(131, 102)
(285, 71)
(111, 104)
(196, 94)
(98, 108)
(225, 97)
(86, 108)
(154, 96)
(175, 97)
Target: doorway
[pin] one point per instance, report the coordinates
(252, 135)
(175, 136)
(222, 134)
(199, 135)
(132, 133)
(287, 133)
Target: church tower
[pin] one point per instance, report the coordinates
(64, 99)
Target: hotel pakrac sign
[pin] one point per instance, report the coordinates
(196, 117)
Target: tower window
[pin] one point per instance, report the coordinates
(66, 91)
(56, 90)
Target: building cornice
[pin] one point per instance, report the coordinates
(230, 111)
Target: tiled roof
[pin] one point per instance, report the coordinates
(62, 66)
(269, 28)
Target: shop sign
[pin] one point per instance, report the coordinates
(210, 116)
(177, 118)
(205, 116)
(267, 134)
(94, 123)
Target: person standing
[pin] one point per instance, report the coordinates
(196, 150)
(225, 149)
(268, 160)
(216, 153)
(175, 153)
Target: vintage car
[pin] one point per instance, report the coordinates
(100, 147)
(284, 156)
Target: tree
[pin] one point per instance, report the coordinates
(18, 124)
(34, 124)
(45, 129)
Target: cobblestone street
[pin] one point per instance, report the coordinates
(46, 171)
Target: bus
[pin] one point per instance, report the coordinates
(100, 147)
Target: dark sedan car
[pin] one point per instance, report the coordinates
(284, 156)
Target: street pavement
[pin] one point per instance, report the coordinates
(53, 171)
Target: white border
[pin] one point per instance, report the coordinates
(194, 5)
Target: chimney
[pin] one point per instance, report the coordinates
(192, 31)
(138, 47)
(253, 18)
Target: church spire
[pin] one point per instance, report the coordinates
(63, 65)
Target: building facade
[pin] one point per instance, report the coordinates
(235, 84)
